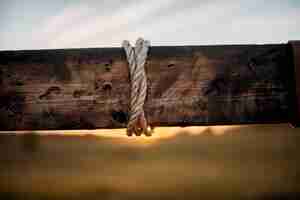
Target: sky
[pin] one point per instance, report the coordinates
(56, 24)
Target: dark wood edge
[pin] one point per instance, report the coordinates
(294, 55)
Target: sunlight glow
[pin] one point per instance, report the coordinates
(158, 132)
(119, 135)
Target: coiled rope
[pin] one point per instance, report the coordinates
(136, 57)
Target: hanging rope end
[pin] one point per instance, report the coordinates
(136, 57)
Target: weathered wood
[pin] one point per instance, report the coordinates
(295, 61)
(188, 85)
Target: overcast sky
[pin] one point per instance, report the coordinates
(40, 24)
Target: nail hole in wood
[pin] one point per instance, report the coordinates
(108, 65)
(107, 86)
(171, 65)
(54, 90)
(19, 83)
(78, 93)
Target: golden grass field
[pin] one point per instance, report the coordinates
(238, 162)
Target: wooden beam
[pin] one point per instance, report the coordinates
(188, 85)
(295, 61)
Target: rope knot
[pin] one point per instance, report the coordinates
(136, 57)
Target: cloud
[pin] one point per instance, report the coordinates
(166, 22)
(61, 29)
(224, 23)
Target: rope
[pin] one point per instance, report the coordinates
(136, 57)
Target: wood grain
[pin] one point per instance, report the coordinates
(188, 85)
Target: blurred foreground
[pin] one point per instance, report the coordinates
(247, 162)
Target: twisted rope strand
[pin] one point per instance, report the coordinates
(136, 57)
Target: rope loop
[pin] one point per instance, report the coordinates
(136, 57)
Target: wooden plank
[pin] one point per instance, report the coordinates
(188, 85)
(295, 61)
